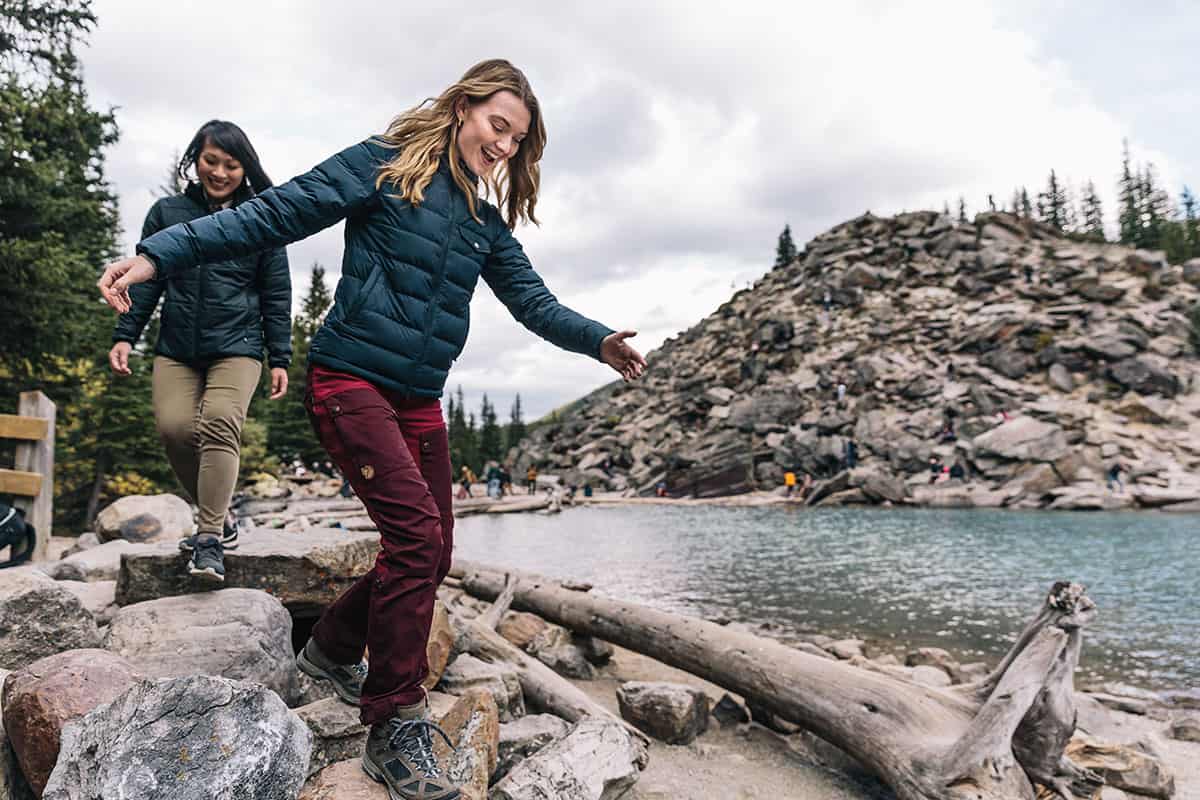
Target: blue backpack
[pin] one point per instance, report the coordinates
(16, 534)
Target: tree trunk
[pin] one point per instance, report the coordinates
(986, 741)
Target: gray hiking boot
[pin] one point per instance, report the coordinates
(208, 558)
(400, 756)
(347, 678)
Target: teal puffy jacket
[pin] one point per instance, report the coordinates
(402, 307)
(229, 307)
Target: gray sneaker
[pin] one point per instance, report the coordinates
(208, 558)
(400, 755)
(347, 678)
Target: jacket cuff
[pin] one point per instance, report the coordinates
(147, 252)
(123, 337)
(278, 361)
(602, 333)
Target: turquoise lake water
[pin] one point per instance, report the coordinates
(966, 581)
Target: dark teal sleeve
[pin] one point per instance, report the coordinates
(275, 299)
(143, 297)
(513, 280)
(330, 191)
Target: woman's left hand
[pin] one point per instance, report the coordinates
(621, 357)
(278, 382)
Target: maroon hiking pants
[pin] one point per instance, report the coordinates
(402, 475)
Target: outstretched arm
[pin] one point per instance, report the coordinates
(513, 279)
(283, 214)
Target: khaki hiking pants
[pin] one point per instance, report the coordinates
(199, 411)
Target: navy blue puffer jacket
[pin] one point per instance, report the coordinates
(402, 307)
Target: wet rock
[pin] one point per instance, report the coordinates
(501, 681)
(597, 760)
(146, 518)
(205, 738)
(524, 737)
(240, 634)
(307, 570)
(336, 732)
(41, 698)
(38, 618)
(671, 712)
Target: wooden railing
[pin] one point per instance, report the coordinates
(31, 480)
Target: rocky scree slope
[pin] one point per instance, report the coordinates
(1050, 358)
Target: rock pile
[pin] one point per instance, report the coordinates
(1033, 361)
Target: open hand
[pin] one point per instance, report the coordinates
(279, 382)
(118, 358)
(620, 356)
(119, 276)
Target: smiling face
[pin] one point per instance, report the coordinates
(491, 131)
(220, 173)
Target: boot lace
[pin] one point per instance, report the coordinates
(412, 738)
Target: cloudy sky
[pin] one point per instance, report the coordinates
(682, 136)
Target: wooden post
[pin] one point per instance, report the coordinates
(38, 456)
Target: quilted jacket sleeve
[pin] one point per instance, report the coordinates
(275, 299)
(513, 279)
(330, 191)
(143, 296)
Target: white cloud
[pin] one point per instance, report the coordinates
(682, 135)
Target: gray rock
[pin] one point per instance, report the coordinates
(38, 618)
(1144, 377)
(1024, 438)
(84, 542)
(671, 712)
(337, 733)
(524, 737)
(13, 785)
(1191, 272)
(98, 597)
(1185, 728)
(196, 738)
(501, 681)
(1060, 378)
(729, 711)
(242, 634)
(861, 275)
(306, 570)
(596, 651)
(597, 760)
(146, 518)
(567, 659)
(100, 563)
(930, 676)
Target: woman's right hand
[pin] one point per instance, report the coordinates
(118, 358)
(119, 276)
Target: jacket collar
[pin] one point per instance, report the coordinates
(444, 167)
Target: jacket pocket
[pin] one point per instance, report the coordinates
(476, 242)
(364, 294)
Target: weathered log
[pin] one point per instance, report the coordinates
(987, 741)
(543, 688)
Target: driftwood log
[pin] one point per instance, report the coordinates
(998, 739)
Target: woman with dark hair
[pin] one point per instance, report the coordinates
(215, 323)
(419, 236)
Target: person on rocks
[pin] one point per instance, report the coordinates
(789, 482)
(215, 323)
(418, 237)
(958, 472)
(935, 469)
(495, 483)
(531, 479)
(465, 479)
(1114, 478)
(850, 453)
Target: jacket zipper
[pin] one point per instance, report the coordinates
(441, 278)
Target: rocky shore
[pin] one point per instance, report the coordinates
(118, 684)
(1033, 361)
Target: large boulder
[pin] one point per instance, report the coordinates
(40, 699)
(13, 785)
(597, 760)
(101, 563)
(241, 634)
(194, 738)
(337, 732)
(146, 518)
(524, 737)
(1024, 439)
(38, 618)
(499, 680)
(307, 570)
(1144, 377)
(473, 725)
(671, 712)
(98, 597)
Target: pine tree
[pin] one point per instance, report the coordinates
(1155, 208)
(172, 183)
(991, 203)
(464, 449)
(1128, 195)
(1093, 214)
(962, 209)
(1016, 203)
(515, 430)
(1026, 206)
(1187, 202)
(785, 250)
(490, 442)
(1052, 203)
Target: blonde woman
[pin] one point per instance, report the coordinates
(418, 238)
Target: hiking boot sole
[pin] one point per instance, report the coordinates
(208, 573)
(376, 774)
(313, 671)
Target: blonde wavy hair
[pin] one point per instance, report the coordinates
(423, 133)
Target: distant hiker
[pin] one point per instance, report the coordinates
(850, 453)
(466, 478)
(806, 485)
(935, 469)
(789, 481)
(1028, 273)
(216, 322)
(587, 490)
(531, 479)
(660, 489)
(495, 483)
(841, 394)
(826, 301)
(1114, 478)
(947, 433)
(506, 482)
(958, 472)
